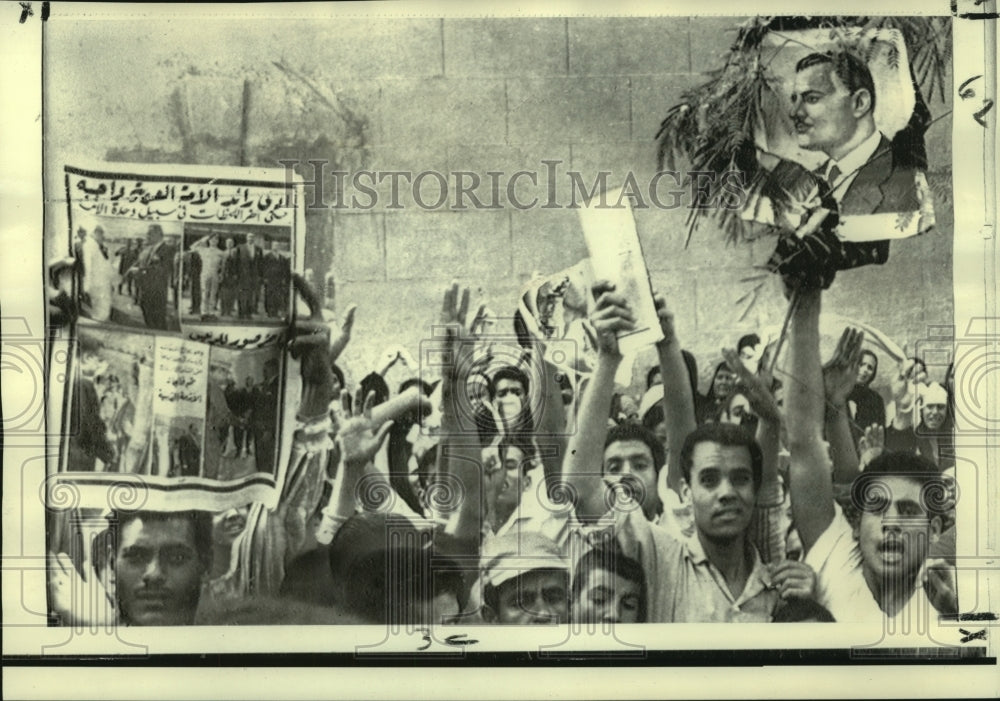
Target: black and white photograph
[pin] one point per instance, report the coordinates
(110, 424)
(241, 420)
(128, 272)
(515, 340)
(236, 274)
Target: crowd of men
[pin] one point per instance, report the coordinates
(782, 503)
(790, 491)
(221, 275)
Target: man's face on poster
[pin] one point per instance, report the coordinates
(824, 113)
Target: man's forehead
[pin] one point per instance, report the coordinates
(174, 530)
(628, 448)
(820, 77)
(708, 455)
(603, 577)
(901, 488)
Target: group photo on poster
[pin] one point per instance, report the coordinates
(236, 274)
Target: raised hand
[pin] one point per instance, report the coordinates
(76, 600)
(611, 315)
(756, 387)
(454, 315)
(360, 437)
(870, 445)
(666, 318)
(840, 374)
(904, 385)
(310, 344)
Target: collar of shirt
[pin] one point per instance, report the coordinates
(758, 580)
(851, 163)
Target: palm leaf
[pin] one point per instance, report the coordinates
(713, 125)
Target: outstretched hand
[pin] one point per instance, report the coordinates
(840, 374)
(76, 600)
(757, 388)
(454, 316)
(870, 445)
(905, 382)
(310, 344)
(360, 437)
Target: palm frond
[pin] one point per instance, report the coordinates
(712, 127)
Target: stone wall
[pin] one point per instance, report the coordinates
(453, 94)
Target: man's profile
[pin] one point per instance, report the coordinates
(833, 111)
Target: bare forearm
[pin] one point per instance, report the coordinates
(842, 451)
(805, 393)
(769, 439)
(678, 407)
(459, 459)
(584, 457)
(809, 473)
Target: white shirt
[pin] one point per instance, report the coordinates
(840, 580)
(850, 164)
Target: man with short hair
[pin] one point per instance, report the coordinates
(877, 570)
(608, 587)
(152, 272)
(833, 111)
(160, 561)
(249, 261)
(276, 273)
(508, 389)
(717, 574)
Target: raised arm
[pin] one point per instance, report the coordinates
(839, 377)
(582, 468)
(810, 469)
(272, 538)
(550, 427)
(904, 394)
(678, 400)
(766, 531)
(459, 457)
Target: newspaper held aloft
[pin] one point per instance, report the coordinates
(174, 375)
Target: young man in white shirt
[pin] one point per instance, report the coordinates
(877, 569)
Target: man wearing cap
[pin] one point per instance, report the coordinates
(525, 580)
(152, 273)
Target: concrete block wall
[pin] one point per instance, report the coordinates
(447, 95)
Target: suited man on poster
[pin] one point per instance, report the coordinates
(833, 111)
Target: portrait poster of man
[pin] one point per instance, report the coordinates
(842, 134)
